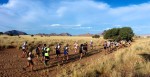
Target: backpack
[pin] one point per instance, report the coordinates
(44, 49)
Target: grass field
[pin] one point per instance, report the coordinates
(133, 61)
(17, 41)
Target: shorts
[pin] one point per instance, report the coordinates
(65, 52)
(85, 49)
(37, 53)
(57, 52)
(23, 50)
(47, 57)
(105, 47)
(43, 53)
(80, 51)
(31, 62)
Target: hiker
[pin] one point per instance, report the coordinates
(108, 46)
(30, 57)
(43, 51)
(105, 46)
(30, 61)
(129, 42)
(117, 45)
(38, 51)
(85, 48)
(46, 57)
(91, 44)
(81, 50)
(66, 50)
(57, 50)
(48, 49)
(24, 49)
(75, 47)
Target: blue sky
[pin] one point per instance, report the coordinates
(74, 16)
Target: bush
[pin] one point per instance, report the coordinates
(96, 36)
(125, 33)
(1, 33)
(32, 35)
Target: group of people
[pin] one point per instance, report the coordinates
(110, 45)
(42, 52)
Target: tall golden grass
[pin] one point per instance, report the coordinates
(133, 61)
(17, 41)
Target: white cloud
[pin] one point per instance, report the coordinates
(78, 25)
(35, 13)
(55, 25)
(107, 28)
(61, 11)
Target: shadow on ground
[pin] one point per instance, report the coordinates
(145, 56)
(72, 58)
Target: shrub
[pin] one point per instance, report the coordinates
(32, 35)
(96, 36)
(1, 33)
(125, 33)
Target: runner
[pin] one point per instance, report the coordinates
(85, 48)
(43, 51)
(105, 46)
(30, 61)
(24, 49)
(58, 50)
(129, 42)
(81, 50)
(75, 47)
(91, 44)
(66, 50)
(30, 58)
(48, 49)
(46, 57)
(38, 51)
(108, 46)
(117, 45)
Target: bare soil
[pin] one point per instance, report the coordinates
(12, 65)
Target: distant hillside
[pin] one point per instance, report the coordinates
(54, 34)
(87, 34)
(15, 32)
(65, 34)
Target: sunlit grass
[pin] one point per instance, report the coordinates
(126, 62)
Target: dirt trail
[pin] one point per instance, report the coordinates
(11, 64)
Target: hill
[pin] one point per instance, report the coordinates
(15, 32)
(54, 34)
(87, 34)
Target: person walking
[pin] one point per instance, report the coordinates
(30, 57)
(38, 51)
(57, 48)
(81, 51)
(66, 50)
(46, 58)
(24, 49)
(75, 47)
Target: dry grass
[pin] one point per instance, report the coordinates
(133, 61)
(17, 41)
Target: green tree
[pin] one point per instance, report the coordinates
(111, 33)
(125, 33)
